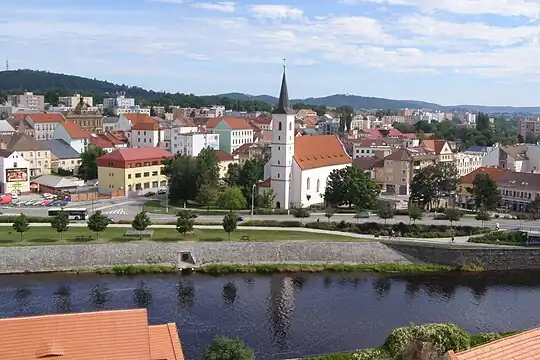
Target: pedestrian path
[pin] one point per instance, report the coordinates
(115, 212)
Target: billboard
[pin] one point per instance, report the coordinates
(16, 175)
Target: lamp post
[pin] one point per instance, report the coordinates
(253, 199)
(167, 198)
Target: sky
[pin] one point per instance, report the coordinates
(451, 52)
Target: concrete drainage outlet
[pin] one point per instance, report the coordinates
(186, 258)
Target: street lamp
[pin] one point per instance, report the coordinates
(253, 199)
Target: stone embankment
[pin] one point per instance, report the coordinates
(88, 257)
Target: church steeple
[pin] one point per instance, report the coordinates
(283, 102)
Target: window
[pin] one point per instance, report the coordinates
(15, 164)
(290, 126)
(137, 175)
(154, 173)
(155, 162)
(146, 174)
(129, 176)
(146, 163)
(318, 185)
(308, 183)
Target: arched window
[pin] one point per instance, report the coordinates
(290, 126)
(318, 185)
(280, 126)
(308, 183)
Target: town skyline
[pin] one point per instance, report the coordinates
(394, 50)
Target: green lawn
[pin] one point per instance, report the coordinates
(156, 207)
(49, 236)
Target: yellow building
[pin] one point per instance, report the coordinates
(133, 170)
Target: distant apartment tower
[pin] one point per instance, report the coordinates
(528, 126)
(121, 101)
(28, 101)
(73, 101)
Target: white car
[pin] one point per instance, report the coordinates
(14, 196)
(48, 196)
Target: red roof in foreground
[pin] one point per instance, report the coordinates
(224, 156)
(319, 151)
(75, 131)
(118, 335)
(494, 173)
(136, 154)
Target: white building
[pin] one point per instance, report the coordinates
(28, 100)
(467, 162)
(371, 148)
(44, 124)
(146, 134)
(327, 125)
(14, 173)
(191, 144)
(131, 110)
(212, 112)
(299, 167)
(73, 101)
(359, 123)
(119, 102)
(72, 134)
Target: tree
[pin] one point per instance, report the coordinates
(534, 207)
(485, 193)
(250, 174)
(60, 223)
(433, 182)
(453, 215)
(230, 223)
(329, 213)
(483, 216)
(184, 222)
(182, 174)
(233, 174)
(231, 198)
(415, 213)
(97, 223)
(386, 213)
(88, 169)
(207, 168)
(21, 224)
(351, 186)
(301, 213)
(141, 222)
(267, 199)
(223, 348)
(207, 196)
(345, 117)
(482, 122)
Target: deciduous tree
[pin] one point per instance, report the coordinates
(329, 212)
(185, 222)
(223, 348)
(231, 198)
(97, 222)
(88, 169)
(60, 223)
(485, 192)
(207, 196)
(21, 224)
(483, 216)
(351, 186)
(415, 213)
(141, 222)
(230, 223)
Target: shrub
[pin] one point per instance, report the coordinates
(443, 337)
(272, 223)
(31, 219)
(516, 238)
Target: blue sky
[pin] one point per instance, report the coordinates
(445, 51)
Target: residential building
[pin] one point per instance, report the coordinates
(20, 124)
(73, 135)
(107, 141)
(89, 120)
(28, 100)
(121, 101)
(44, 124)
(63, 156)
(233, 132)
(328, 125)
(518, 189)
(109, 123)
(131, 110)
(251, 152)
(401, 166)
(211, 112)
(14, 173)
(32, 150)
(115, 334)
(300, 165)
(263, 122)
(467, 162)
(146, 134)
(133, 170)
(371, 148)
(6, 128)
(513, 157)
(303, 113)
(372, 165)
(441, 148)
(191, 144)
(524, 345)
(464, 197)
(528, 126)
(73, 101)
(127, 121)
(360, 122)
(224, 161)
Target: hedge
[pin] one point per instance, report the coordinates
(32, 219)
(515, 238)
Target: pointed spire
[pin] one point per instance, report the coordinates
(283, 103)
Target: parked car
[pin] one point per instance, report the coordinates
(110, 220)
(34, 202)
(363, 215)
(162, 192)
(240, 218)
(46, 203)
(59, 203)
(150, 193)
(14, 196)
(48, 196)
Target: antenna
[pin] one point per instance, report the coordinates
(7, 65)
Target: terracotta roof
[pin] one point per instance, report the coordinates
(234, 123)
(522, 346)
(493, 172)
(75, 131)
(47, 118)
(319, 151)
(113, 138)
(118, 335)
(368, 163)
(370, 142)
(184, 121)
(133, 154)
(262, 120)
(266, 183)
(435, 145)
(224, 156)
(135, 118)
(520, 180)
(100, 142)
(150, 125)
(244, 148)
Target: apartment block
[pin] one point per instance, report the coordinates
(28, 100)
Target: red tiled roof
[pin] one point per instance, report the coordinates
(319, 151)
(150, 125)
(224, 156)
(133, 154)
(113, 138)
(435, 145)
(244, 148)
(101, 142)
(370, 142)
(47, 118)
(234, 123)
(494, 173)
(138, 117)
(118, 335)
(75, 131)
(262, 120)
(522, 346)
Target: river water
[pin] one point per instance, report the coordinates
(284, 316)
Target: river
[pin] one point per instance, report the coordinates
(283, 316)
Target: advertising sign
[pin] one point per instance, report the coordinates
(16, 175)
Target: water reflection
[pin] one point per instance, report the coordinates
(142, 296)
(100, 295)
(382, 286)
(229, 293)
(280, 308)
(186, 294)
(62, 299)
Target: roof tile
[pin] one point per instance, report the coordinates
(319, 151)
(47, 117)
(493, 172)
(133, 154)
(75, 131)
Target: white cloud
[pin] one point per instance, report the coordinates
(169, 1)
(223, 6)
(276, 11)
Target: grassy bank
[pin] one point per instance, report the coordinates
(221, 269)
(137, 269)
(443, 337)
(49, 236)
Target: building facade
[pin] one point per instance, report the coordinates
(35, 152)
(73, 135)
(192, 144)
(44, 124)
(73, 101)
(14, 173)
(232, 132)
(134, 170)
(28, 100)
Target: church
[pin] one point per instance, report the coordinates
(299, 167)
